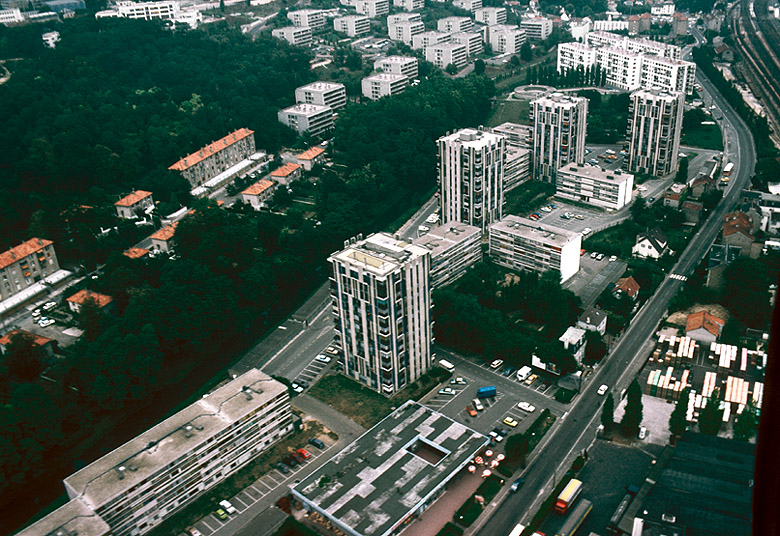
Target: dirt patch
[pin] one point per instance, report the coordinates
(681, 317)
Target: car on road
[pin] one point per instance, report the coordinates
(587, 231)
(46, 322)
(423, 228)
(613, 258)
(220, 514)
(642, 432)
(305, 453)
(509, 421)
(322, 358)
(48, 306)
(525, 406)
(471, 411)
(603, 389)
(283, 468)
(296, 388)
(194, 532)
(600, 257)
(447, 391)
(317, 443)
(496, 363)
(458, 381)
(516, 485)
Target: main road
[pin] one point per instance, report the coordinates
(575, 431)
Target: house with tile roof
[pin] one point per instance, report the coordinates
(738, 231)
(162, 240)
(135, 204)
(49, 346)
(310, 157)
(287, 173)
(650, 244)
(217, 157)
(704, 327)
(259, 193)
(593, 319)
(104, 302)
(627, 286)
(136, 253)
(24, 265)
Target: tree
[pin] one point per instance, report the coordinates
(23, 359)
(639, 211)
(526, 53)
(222, 5)
(677, 421)
(711, 416)
(608, 413)
(682, 172)
(596, 348)
(479, 67)
(632, 417)
(91, 319)
(451, 69)
(746, 423)
(517, 447)
(746, 292)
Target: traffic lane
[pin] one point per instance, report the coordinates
(299, 352)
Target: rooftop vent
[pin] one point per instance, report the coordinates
(188, 431)
(121, 472)
(247, 392)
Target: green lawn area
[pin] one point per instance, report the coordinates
(515, 111)
(703, 136)
(527, 197)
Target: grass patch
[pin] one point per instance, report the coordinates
(490, 488)
(450, 529)
(469, 512)
(292, 527)
(427, 381)
(527, 197)
(361, 404)
(515, 111)
(703, 136)
(564, 395)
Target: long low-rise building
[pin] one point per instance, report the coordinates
(446, 54)
(352, 25)
(300, 36)
(24, 265)
(537, 247)
(312, 118)
(405, 65)
(595, 186)
(455, 247)
(383, 85)
(217, 157)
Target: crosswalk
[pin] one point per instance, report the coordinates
(679, 277)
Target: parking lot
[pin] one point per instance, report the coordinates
(62, 329)
(593, 277)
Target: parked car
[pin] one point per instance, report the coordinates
(322, 358)
(600, 257)
(587, 231)
(296, 388)
(496, 363)
(516, 485)
(46, 322)
(219, 513)
(546, 209)
(594, 255)
(298, 458)
(289, 460)
(283, 468)
(579, 217)
(36, 313)
(194, 532)
(228, 506)
(331, 350)
(496, 437)
(613, 258)
(471, 411)
(302, 383)
(317, 443)
(501, 431)
(305, 453)
(48, 306)
(508, 370)
(447, 391)
(458, 381)
(525, 406)
(509, 421)
(642, 432)
(531, 379)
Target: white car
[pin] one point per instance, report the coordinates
(496, 363)
(525, 406)
(49, 305)
(447, 391)
(229, 508)
(458, 381)
(587, 231)
(36, 313)
(642, 432)
(423, 229)
(46, 322)
(603, 389)
(322, 358)
(594, 255)
(297, 388)
(498, 438)
(613, 258)
(600, 257)
(579, 217)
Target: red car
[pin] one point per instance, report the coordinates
(471, 411)
(304, 453)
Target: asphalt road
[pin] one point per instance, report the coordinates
(578, 428)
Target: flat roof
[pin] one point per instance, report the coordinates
(397, 59)
(442, 238)
(151, 451)
(538, 232)
(379, 253)
(596, 173)
(75, 517)
(387, 77)
(378, 480)
(306, 108)
(325, 86)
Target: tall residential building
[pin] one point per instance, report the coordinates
(535, 246)
(471, 176)
(516, 135)
(141, 484)
(352, 25)
(395, 18)
(11, 16)
(409, 5)
(490, 15)
(24, 265)
(595, 186)
(429, 38)
(444, 54)
(454, 247)
(330, 94)
(472, 40)
(299, 36)
(405, 30)
(405, 65)
(381, 304)
(538, 28)
(507, 41)
(373, 8)
(654, 126)
(468, 5)
(383, 85)
(454, 24)
(559, 133)
(668, 74)
(217, 157)
(312, 118)
(308, 18)
(517, 166)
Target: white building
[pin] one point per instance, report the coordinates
(429, 38)
(516, 135)
(405, 30)
(373, 8)
(490, 15)
(405, 65)
(135, 204)
(574, 55)
(538, 28)
(580, 29)
(471, 177)
(517, 166)
(312, 118)
(594, 186)
(383, 85)
(507, 41)
(141, 484)
(634, 44)
(50, 39)
(454, 24)
(574, 340)
(330, 94)
(667, 74)
(166, 10)
(454, 247)
(295, 35)
(472, 40)
(10, 16)
(654, 127)
(610, 25)
(487, 31)
(623, 68)
(308, 18)
(381, 304)
(559, 133)
(396, 18)
(534, 246)
(468, 5)
(445, 54)
(409, 5)
(352, 25)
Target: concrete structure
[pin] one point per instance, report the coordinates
(383, 85)
(537, 247)
(258, 194)
(593, 319)
(352, 25)
(537, 28)
(287, 173)
(490, 15)
(373, 8)
(206, 442)
(409, 5)
(654, 128)
(308, 158)
(405, 65)
(392, 473)
(429, 38)
(308, 18)
(559, 133)
(594, 186)
(454, 247)
(24, 265)
(215, 158)
(454, 24)
(396, 18)
(468, 5)
(679, 24)
(444, 54)
(472, 41)
(163, 240)
(10, 16)
(636, 45)
(704, 327)
(507, 41)
(312, 118)
(517, 166)
(299, 36)
(382, 310)
(650, 244)
(574, 55)
(667, 74)
(573, 339)
(165, 10)
(516, 135)
(471, 176)
(104, 302)
(610, 25)
(50, 39)
(405, 30)
(135, 204)
(330, 94)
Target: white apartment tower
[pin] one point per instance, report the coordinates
(307, 18)
(383, 85)
(409, 5)
(405, 30)
(471, 176)
(395, 18)
(559, 133)
(373, 8)
(538, 28)
(352, 25)
(490, 16)
(312, 118)
(454, 24)
(330, 94)
(299, 36)
(472, 40)
(468, 5)
(507, 41)
(654, 126)
(381, 306)
(429, 38)
(595, 186)
(404, 65)
(445, 54)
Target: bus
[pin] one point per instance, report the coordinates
(518, 530)
(575, 519)
(727, 169)
(568, 496)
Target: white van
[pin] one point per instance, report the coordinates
(446, 365)
(523, 373)
(477, 404)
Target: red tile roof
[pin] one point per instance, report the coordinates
(166, 233)
(286, 170)
(310, 154)
(736, 226)
(37, 339)
(132, 199)
(82, 295)
(213, 148)
(703, 319)
(628, 285)
(136, 253)
(33, 245)
(259, 187)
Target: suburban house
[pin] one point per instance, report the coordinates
(258, 193)
(135, 204)
(310, 157)
(692, 210)
(49, 346)
(737, 231)
(593, 319)
(650, 244)
(162, 240)
(721, 255)
(573, 339)
(704, 327)
(287, 173)
(105, 303)
(702, 185)
(627, 286)
(136, 253)
(674, 195)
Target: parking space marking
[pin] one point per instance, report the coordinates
(213, 517)
(252, 492)
(259, 481)
(270, 477)
(207, 525)
(238, 499)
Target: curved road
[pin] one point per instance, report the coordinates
(576, 430)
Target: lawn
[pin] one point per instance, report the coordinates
(703, 136)
(514, 111)
(361, 404)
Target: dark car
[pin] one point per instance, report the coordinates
(283, 468)
(298, 457)
(517, 484)
(317, 443)
(302, 383)
(289, 460)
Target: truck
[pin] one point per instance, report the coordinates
(576, 518)
(523, 373)
(568, 496)
(486, 392)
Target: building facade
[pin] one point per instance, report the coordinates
(372, 8)
(517, 166)
(409, 5)
(594, 186)
(559, 133)
(383, 85)
(454, 24)
(381, 304)
(405, 30)
(471, 177)
(468, 5)
(455, 247)
(445, 54)
(429, 38)
(538, 28)
(299, 36)
(330, 94)
(507, 41)
(258, 194)
(472, 41)
(131, 206)
(216, 157)
(654, 127)
(308, 18)
(405, 65)
(24, 265)
(312, 118)
(516, 135)
(490, 15)
(352, 25)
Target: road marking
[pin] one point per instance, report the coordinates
(260, 482)
(207, 525)
(238, 499)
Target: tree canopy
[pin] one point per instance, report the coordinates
(632, 417)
